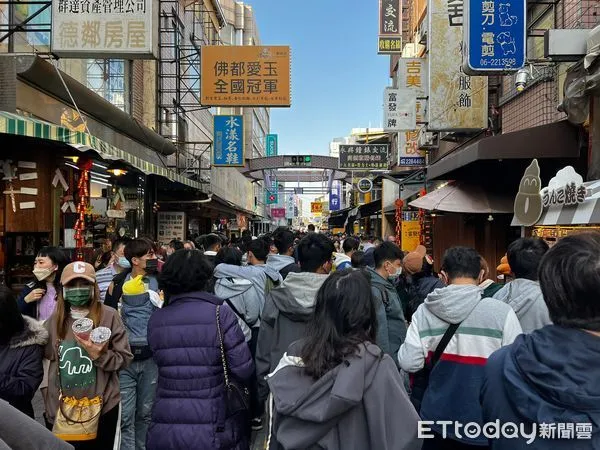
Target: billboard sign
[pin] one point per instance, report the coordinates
(271, 145)
(364, 156)
(399, 109)
(110, 29)
(412, 74)
(245, 75)
(457, 102)
(390, 27)
(495, 36)
(316, 208)
(409, 154)
(228, 147)
(278, 213)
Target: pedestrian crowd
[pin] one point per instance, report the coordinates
(325, 342)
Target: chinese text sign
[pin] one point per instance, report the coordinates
(316, 207)
(412, 74)
(228, 141)
(271, 145)
(109, 28)
(171, 225)
(456, 100)
(334, 197)
(245, 76)
(278, 213)
(408, 149)
(399, 109)
(364, 156)
(390, 27)
(495, 35)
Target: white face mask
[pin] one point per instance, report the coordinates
(42, 274)
(396, 274)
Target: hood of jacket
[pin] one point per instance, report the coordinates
(278, 262)
(453, 303)
(232, 287)
(34, 333)
(521, 295)
(342, 388)
(296, 296)
(340, 258)
(551, 375)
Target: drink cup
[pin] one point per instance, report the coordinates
(100, 335)
(83, 328)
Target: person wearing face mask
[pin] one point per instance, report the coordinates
(390, 316)
(118, 265)
(38, 298)
(80, 368)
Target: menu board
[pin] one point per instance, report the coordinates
(171, 225)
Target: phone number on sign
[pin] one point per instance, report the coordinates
(498, 62)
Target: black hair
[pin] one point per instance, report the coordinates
(284, 240)
(358, 259)
(176, 244)
(524, 257)
(210, 240)
(311, 227)
(260, 248)
(388, 251)
(11, 320)
(314, 250)
(118, 243)
(229, 255)
(58, 257)
(461, 262)
(136, 248)
(569, 276)
(104, 260)
(185, 271)
(351, 244)
(344, 318)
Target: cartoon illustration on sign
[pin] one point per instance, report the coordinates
(506, 20)
(528, 204)
(507, 43)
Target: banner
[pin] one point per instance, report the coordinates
(364, 156)
(390, 27)
(278, 213)
(495, 36)
(456, 100)
(290, 208)
(248, 75)
(105, 29)
(271, 145)
(334, 197)
(399, 109)
(411, 235)
(228, 141)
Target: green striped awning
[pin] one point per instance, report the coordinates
(27, 126)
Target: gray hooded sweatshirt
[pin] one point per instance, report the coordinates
(526, 299)
(360, 404)
(287, 312)
(283, 264)
(243, 296)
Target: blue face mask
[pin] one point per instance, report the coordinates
(123, 263)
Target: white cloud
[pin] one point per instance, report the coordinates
(564, 177)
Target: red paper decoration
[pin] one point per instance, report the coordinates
(83, 194)
(399, 204)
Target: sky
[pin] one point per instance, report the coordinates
(337, 76)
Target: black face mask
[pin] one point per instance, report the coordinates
(151, 265)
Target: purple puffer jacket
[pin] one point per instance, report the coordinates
(189, 410)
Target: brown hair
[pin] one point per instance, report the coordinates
(63, 310)
(485, 267)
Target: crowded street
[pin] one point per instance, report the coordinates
(268, 225)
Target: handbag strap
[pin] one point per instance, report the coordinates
(444, 343)
(223, 357)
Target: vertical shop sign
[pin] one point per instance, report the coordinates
(408, 149)
(271, 145)
(334, 197)
(412, 74)
(290, 207)
(456, 100)
(399, 109)
(107, 28)
(271, 192)
(390, 27)
(495, 35)
(228, 141)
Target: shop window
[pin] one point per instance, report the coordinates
(110, 78)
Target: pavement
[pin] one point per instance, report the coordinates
(258, 438)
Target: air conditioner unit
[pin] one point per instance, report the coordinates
(428, 140)
(422, 33)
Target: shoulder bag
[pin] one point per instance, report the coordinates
(237, 396)
(421, 378)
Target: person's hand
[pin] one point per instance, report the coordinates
(94, 350)
(35, 295)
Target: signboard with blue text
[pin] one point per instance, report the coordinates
(271, 145)
(495, 35)
(334, 197)
(228, 147)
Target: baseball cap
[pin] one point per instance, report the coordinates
(78, 269)
(413, 262)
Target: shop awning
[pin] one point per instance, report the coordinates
(370, 209)
(556, 140)
(584, 213)
(337, 219)
(27, 126)
(462, 197)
